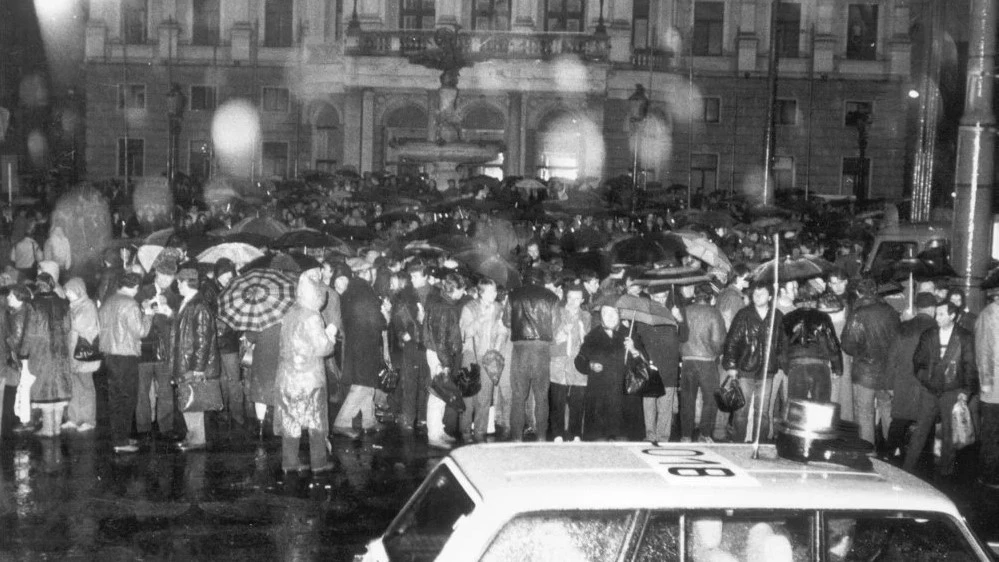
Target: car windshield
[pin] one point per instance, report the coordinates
(425, 525)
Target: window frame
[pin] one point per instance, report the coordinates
(705, 29)
(490, 14)
(563, 16)
(264, 106)
(866, 51)
(123, 159)
(206, 107)
(126, 92)
(781, 110)
(852, 106)
(280, 34)
(693, 169)
(705, 102)
(264, 158)
(637, 17)
(206, 35)
(421, 13)
(127, 7)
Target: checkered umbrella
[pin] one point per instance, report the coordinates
(257, 299)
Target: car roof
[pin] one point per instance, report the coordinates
(542, 476)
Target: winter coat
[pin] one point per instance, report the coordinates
(26, 253)
(662, 344)
(57, 249)
(481, 330)
(263, 372)
(109, 279)
(84, 323)
(811, 335)
(570, 330)
(193, 343)
(16, 320)
(870, 332)
(705, 332)
(227, 337)
(987, 351)
(908, 392)
(442, 333)
(301, 376)
(745, 343)
(123, 326)
(156, 344)
(363, 323)
(532, 313)
(956, 370)
(607, 411)
(46, 346)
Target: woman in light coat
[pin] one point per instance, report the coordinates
(301, 378)
(82, 411)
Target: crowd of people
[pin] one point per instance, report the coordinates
(551, 353)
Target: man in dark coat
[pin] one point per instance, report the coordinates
(364, 319)
(532, 325)
(946, 366)
(408, 353)
(233, 400)
(813, 351)
(194, 353)
(160, 301)
(608, 413)
(744, 350)
(908, 393)
(442, 337)
(871, 331)
(663, 347)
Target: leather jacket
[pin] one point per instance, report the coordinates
(227, 337)
(193, 341)
(441, 330)
(811, 334)
(123, 325)
(745, 343)
(956, 370)
(532, 314)
(871, 330)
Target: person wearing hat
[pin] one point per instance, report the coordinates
(193, 352)
(870, 332)
(814, 357)
(908, 394)
(987, 357)
(159, 300)
(123, 325)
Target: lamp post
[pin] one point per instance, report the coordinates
(638, 108)
(354, 27)
(601, 30)
(176, 103)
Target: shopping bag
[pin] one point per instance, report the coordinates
(963, 429)
(729, 396)
(22, 401)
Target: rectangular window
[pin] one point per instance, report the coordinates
(134, 18)
(709, 21)
(202, 98)
(199, 163)
(860, 535)
(640, 25)
(703, 172)
(712, 110)
(783, 173)
(423, 528)
(564, 15)
(856, 177)
(788, 29)
(131, 157)
(277, 100)
(750, 535)
(855, 110)
(862, 32)
(275, 162)
(131, 96)
(492, 15)
(278, 23)
(417, 14)
(205, 22)
(787, 112)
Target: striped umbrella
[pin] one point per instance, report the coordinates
(257, 299)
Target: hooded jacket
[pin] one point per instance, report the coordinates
(84, 322)
(301, 375)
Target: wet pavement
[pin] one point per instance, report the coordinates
(72, 498)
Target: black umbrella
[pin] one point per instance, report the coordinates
(349, 233)
(305, 238)
(648, 250)
(389, 218)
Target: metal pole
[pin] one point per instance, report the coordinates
(975, 155)
(771, 134)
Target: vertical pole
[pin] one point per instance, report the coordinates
(975, 154)
(771, 134)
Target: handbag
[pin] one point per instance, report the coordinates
(199, 394)
(963, 433)
(388, 378)
(88, 350)
(444, 388)
(729, 396)
(642, 378)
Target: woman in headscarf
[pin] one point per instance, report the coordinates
(301, 378)
(82, 411)
(46, 346)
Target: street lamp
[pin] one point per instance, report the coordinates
(176, 103)
(638, 109)
(601, 30)
(354, 27)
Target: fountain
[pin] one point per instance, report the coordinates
(445, 151)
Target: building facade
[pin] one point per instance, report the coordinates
(552, 83)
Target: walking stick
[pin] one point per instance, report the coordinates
(768, 349)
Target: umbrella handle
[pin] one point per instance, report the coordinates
(631, 329)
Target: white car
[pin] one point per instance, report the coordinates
(669, 502)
